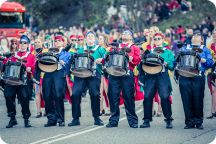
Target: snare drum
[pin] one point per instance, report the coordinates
(117, 63)
(82, 65)
(48, 62)
(14, 73)
(188, 63)
(152, 63)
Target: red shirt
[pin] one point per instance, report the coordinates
(135, 53)
(30, 58)
(213, 47)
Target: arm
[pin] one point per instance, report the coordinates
(169, 59)
(209, 61)
(135, 53)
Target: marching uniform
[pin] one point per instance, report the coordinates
(54, 88)
(21, 91)
(192, 91)
(158, 83)
(92, 83)
(126, 85)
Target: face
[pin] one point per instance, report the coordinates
(38, 43)
(14, 45)
(80, 41)
(146, 32)
(190, 32)
(158, 41)
(126, 37)
(59, 43)
(73, 40)
(101, 40)
(196, 39)
(23, 46)
(90, 39)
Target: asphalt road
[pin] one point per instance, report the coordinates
(87, 133)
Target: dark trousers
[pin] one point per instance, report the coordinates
(80, 84)
(161, 83)
(10, 93)
(54, 88)
(126, 85)
(192, 94)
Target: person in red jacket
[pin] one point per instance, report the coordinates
(125, 84)
(21, 91)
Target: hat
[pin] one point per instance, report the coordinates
(90, 32)
(47, 37)
(80, 37)
(24, 38)
(73, 37)
(59, 37)
(196, 32)
(127, 31)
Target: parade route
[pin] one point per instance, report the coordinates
(88, 133)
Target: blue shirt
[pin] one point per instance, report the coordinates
(66, 57)
(206, 54)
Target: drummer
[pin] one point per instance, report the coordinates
(158, 82)
(192, 89)
(92, 83)
(124, 84)
(54, 86)
(21, 91)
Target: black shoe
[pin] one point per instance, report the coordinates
(199, 126)
(74, 122)
(39, 115)
(98, 122)
(27, 123)
(210, 117)
(61, 124)
(169, 125)
(145, 124)
(135, 125)
(102, 112)
(48, 124)
(189, 127)
(11, 123)
(111, 125)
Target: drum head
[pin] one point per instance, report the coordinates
(82, 73)
(152, 69)
(116, 71)
(187, 72)
(14, 82)
(48, 68)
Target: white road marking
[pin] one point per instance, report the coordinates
(66, 136)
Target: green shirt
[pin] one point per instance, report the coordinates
(169, 58)
(99, 52)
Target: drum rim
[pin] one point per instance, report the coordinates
(110, 70)
(193, 53)
(84, 55)
(153, 73)
(42, 67)
(79, 74)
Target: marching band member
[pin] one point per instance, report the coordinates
(92, 83)
(124, 84)
(158, 83)
(21, 91)
(211, 77)
(54, 86)
(192, 88)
